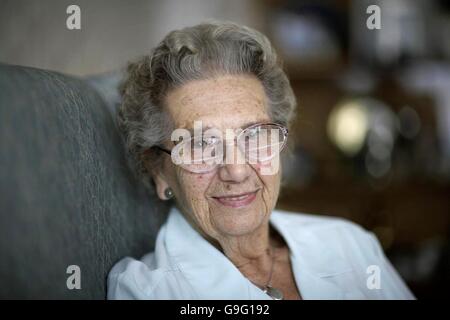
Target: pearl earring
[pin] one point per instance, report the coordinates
(168, 193)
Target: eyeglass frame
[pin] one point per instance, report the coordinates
(282, 127)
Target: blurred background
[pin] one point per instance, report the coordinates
(371, 142)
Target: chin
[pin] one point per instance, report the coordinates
(238, 222)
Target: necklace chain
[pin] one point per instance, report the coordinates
(268, 289)
(269, 282)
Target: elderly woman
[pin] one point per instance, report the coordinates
(205, 117)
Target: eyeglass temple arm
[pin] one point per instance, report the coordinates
(162, 149)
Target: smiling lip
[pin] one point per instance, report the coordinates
(236, 201)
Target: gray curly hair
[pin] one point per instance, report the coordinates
(198, 52)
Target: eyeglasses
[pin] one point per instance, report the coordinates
(258, 143)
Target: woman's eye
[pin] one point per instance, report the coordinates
(205, 142)
(252, 132)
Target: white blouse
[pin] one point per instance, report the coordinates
(331, 259)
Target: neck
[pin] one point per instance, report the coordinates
(251, 254)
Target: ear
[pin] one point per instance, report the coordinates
(161, 184)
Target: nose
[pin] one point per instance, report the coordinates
(235, 168)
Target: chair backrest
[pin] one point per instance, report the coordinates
(67, 196)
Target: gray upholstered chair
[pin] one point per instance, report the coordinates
(67, 196)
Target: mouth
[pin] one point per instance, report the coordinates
(238, 200)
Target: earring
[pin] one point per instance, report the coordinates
(168, 193)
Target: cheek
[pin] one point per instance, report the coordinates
(194, 187)
(268, 169)
(201, 180)
(271, 184)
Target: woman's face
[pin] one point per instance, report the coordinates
(225, 102)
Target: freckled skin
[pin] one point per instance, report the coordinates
(224, 102)
(241, 233)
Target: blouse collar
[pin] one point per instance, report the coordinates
(213, 276)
